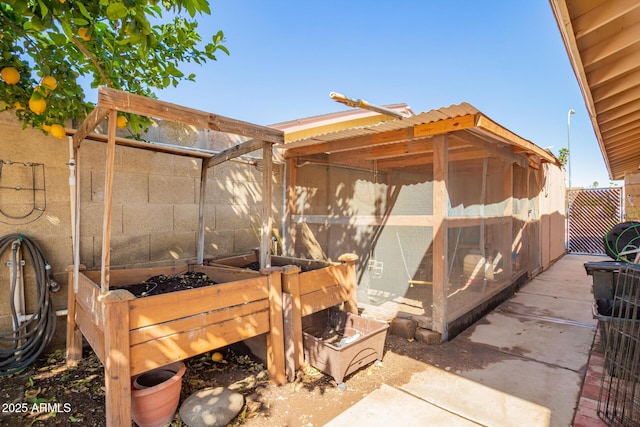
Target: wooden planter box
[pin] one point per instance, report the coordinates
(133, 335)
(335, 353)
(308, 286)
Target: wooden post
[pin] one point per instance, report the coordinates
(275, 337)
(74, 335)
(440, 234)
(267, 191)
(291, 172)
(507, 241)
(201, 228)
(351, 303)
(108, 201)
(117, 372)
(293, 315)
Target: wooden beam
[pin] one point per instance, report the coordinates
(267, 220)
(493, 128)
(89, 124)
(290, 206)
(440, 239)
(611, 45)
(601, 15)
(355, 143)
(108, 202)
(235, 151)
(144, 106)
(505, 153)
(201, 212)
(445, 126)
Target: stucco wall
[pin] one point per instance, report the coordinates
(155, 203)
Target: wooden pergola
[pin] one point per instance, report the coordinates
(124, 331)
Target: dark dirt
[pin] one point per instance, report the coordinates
(162, 283)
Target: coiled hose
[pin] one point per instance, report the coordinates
(21, 346)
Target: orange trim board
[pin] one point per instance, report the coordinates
(445, 126)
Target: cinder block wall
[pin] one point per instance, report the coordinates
(155, 204)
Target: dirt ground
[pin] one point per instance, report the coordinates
(48, 393)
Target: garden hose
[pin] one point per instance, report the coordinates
(21, 346)
(622, 242)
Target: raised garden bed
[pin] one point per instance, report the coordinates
(132, 335)
(308, 286)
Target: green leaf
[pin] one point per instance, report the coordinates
(83, 10)
(116, 11)
(44, 10)
(79, 22)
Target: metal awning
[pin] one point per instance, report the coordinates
(602, 38)
(401, 142)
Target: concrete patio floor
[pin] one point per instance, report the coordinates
(535, 349)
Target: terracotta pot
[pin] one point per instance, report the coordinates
(155, 395)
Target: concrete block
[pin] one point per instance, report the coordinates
(186, 217)
(220, 191)
(171, 189)
(130, 188)
(218, 243)
(147, 219)
(245, 240)
(126, 250)
(175, 246)
(405, 328)
(91, 215)
(187, 167)
(428, 336)
(232, 217)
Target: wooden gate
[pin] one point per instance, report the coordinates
(591, 214)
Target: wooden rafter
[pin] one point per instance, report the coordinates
(89, 124)
(354, 143)
(136, 104)
(235, 151)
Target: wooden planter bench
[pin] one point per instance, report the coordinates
(308, 286)
(133, 335)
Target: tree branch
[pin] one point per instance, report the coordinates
(93, 60)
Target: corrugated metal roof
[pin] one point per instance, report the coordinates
(476, 122)
(602, 38)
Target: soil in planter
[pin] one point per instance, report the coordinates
(256, 267)
(163, 284)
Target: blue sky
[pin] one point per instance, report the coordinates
(504, 57)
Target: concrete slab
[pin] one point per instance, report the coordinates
(474, 401)
(534, 382)
(558, 344)
(388, 406)
(530, 304)
(581, 290)
(569, 268)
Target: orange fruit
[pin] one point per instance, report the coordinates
(18, 106)
(57, 131)
(37, 105)
(217, 357)
(10, 75)
(46, 127)
(49, 82)
(82, 32)
(121, 122)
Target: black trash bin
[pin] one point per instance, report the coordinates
(604, 275)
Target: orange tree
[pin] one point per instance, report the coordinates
(50, 49)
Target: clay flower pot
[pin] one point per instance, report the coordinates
(155, 395)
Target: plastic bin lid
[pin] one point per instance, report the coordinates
(608, 266)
